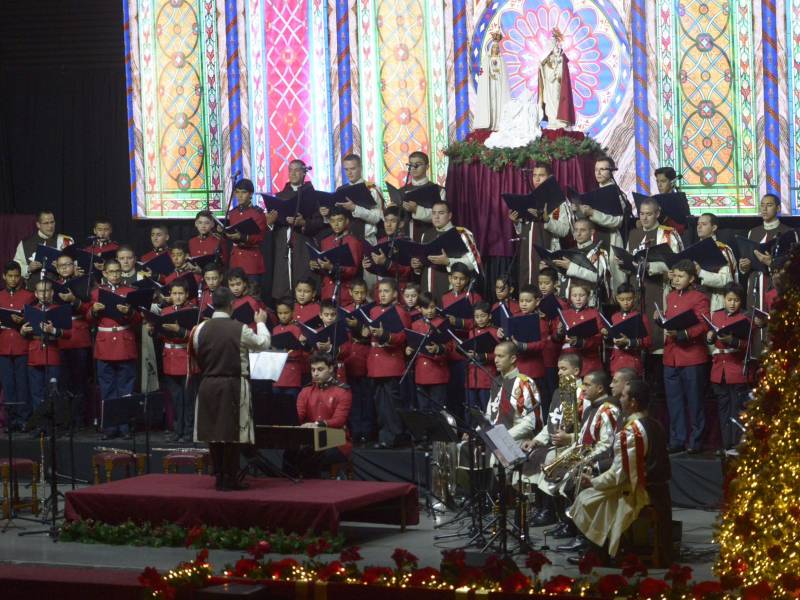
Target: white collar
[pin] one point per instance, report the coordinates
(773, 225)
(218, 314)
(420, 182)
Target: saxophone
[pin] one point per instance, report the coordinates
(564, 460)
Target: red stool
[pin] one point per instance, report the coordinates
(21, 466)
(109, 460)
(196, 460)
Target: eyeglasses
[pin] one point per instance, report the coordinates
(416, 165)
(113, 271)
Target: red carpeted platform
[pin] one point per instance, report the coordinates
(314, 504)
(25, 582)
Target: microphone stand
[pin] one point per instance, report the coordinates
(417, 351)
(290, 236)
(641, 272)
(403, 212)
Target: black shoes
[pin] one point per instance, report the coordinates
(562, 532)
(676, 449)
(544, 517)
(579, 544)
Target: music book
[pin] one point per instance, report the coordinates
(335, 334)
(47, 256)
(147, 283)
(746, 249)
(658, 253)
(80, 287)
(185, 318)
(323, 199)
(460, 309)
(244, 313)
(340, 255)
(548, 195)
(632, 328)
(60, 315)
(267, 366)
(576, 256)
(678, 322)
(739, 329)
(425, 195)
(285, 341)
(359, 193)
(203, 260)
(549, 306)
(500, 315)
(605, 199)
(244, 228)
(135, 299)
(289, 207)
(480, 344)
(523, 328)
(706, 253)
(7, 321)
(389, 320)
(450, 241)
(160, 264)
(437, 336)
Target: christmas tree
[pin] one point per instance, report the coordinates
(759, 527)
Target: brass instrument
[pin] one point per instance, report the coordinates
(564, 460)
(444, 464)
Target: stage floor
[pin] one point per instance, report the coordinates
(311, 504)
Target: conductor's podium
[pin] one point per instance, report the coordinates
(287, 437)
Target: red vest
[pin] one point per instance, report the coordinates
(476, 378)
(388, 359)
(176, 356)
(346, 274)
(246, 253)
(292, 374)
(589, 351)
(693, 351)
(116, 340)
(44, 351)
(630, 358)
(431, 370)
(11, 341)
(727, 362)
(207, 246)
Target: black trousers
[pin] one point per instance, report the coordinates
(731, 398)
(388, 403)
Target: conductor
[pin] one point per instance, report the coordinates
(219, 349)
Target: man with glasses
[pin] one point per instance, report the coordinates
(420, 221)
(45, 235)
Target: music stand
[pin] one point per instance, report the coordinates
(138, 411)
(433, 427)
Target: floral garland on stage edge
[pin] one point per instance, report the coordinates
(172, 535)
(497, 579)
(540, 150)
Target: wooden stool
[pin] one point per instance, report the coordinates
(197, 460)
(109, 460)
(337, 468)
(21, 466)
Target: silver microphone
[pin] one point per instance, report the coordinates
(516, 239)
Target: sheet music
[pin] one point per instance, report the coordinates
(506, 450)
(267, 365)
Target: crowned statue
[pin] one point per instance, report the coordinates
(493, 90)
(555, 87)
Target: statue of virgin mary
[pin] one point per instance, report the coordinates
(555, 87)
(492, 86)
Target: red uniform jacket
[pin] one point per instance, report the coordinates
(100, 247)
(727, 362)
(587, 348)
(206, 245)
(530, 359)
(205, 299)
(552, 349)
(256, 305)
(305, 312)
(691, 348)
(11, 341)
(176, 356)
(153, 253)
(116, 340)
(43, 352)
(630, 357)
(292, 374)
(387, 356)
(511, 305)
(346, 274)
(476, 378)
(450, 297)
(185, 271)
(431, 369)
(246, 253)
(329, 402)
(356, 361)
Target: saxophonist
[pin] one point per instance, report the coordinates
(598, 421)
(558, 432)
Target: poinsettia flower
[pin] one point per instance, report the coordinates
(373, 575)
(588, 562)
(194, 534)
(609, 585)
(321, 546)
(244, 566)
(516, 582)
(330, 571)
(650, 587)
(680, 575)
(632, 564)
(351, 554)
(757, 591)
(403, 558)
(706, 588)
(536, 560)
(559, 584)
(259, 549)
(420, 576)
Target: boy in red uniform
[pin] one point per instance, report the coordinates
(159, 238)
(627, 352)
(14, 348)
(548, 285)
(212, 279)
(580, 312)
(411, 300)
(101, 242)
(685, 361)
(503, 292)
(76, 349)
(239, 285)
(362, 412)
(731, 382)
(329, 313)
(339, 221)
(530, 355)
(115, 348)
(478, 381)
(207, 242)
(305, 308)
(385, 365)
(431, 372)
(325, 402)
(382, 265)
(179, 253)
(246, 253)
(175, 361)
(285, 390)
(44, 359)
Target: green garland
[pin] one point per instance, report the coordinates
(172, 535)
(541, 150)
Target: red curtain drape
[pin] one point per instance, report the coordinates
(475, 192)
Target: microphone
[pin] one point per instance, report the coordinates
(516, 239)
(237, 175)
(308, 168)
